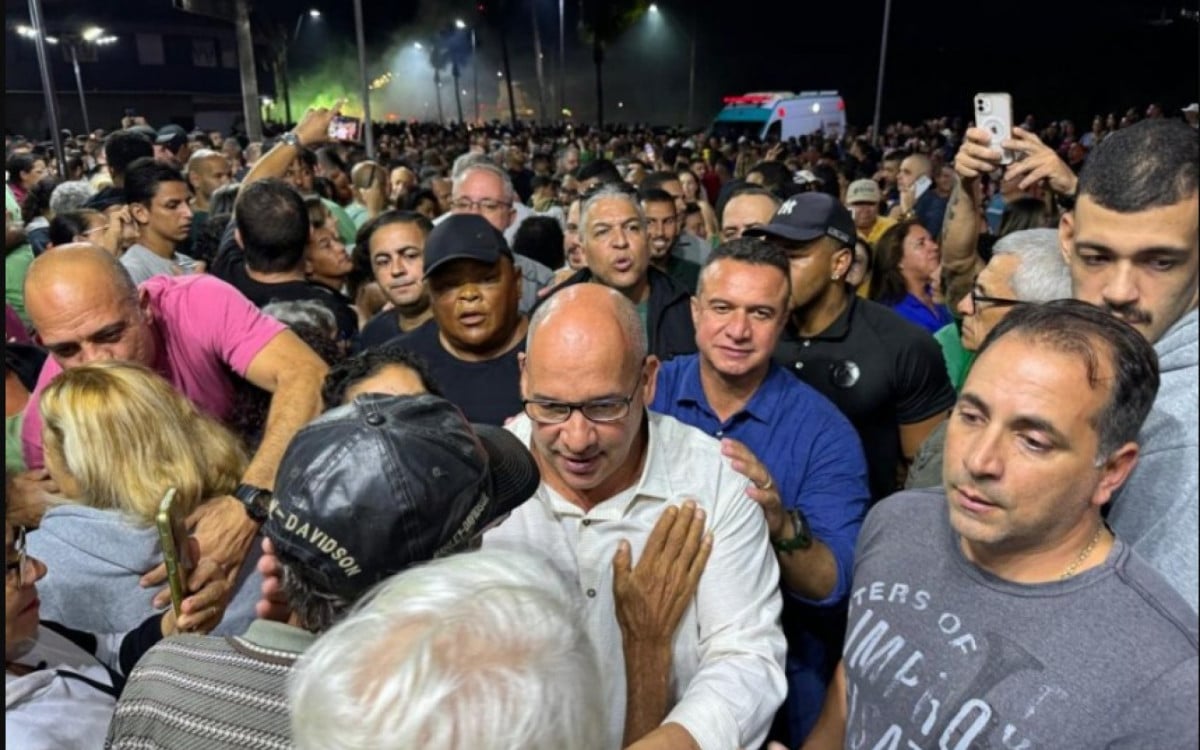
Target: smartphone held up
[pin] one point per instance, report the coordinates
(345, 128)
(993, 113)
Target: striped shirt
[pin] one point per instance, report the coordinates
(195, 692)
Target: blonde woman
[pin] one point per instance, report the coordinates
(117, 436)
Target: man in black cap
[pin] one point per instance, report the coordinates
(885, 374)
(477, 331)
(171, 146)
(336, 530)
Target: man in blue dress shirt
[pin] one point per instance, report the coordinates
(804, 457)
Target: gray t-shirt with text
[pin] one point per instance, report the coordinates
(941, 654)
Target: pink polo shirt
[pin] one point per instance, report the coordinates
(203, 327)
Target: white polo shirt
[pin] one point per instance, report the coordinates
(727, 671)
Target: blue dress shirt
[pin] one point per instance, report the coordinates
(816, 460)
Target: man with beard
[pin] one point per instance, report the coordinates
(662, 226)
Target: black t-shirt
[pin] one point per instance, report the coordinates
(230, 266)
(881, 371)
(379, 330)
(290, 291)
(487, 392)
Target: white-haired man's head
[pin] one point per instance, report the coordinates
(481, 651)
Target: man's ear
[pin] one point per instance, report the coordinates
(237, 237)
(843, 258)
(650, 386)
(139, 212)
(518, 277)
(523, 365)
(144, 309)
(695, 311)
(1066, 236)
(1114, 471)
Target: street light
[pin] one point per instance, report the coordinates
(314, 14)
(90, 35)
(653, 9)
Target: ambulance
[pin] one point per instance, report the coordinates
(780, 115)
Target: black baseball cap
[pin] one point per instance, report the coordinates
(106, 198)
(468, 236)
(172, 136)
(807, 216)
(386, 482)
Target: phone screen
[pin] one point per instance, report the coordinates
(344, 128)
(173, 538)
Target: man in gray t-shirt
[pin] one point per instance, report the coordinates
(158, 201)
(1000, 611)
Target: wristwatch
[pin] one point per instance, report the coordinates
(291, 139)
(803, 535)
(256, 500)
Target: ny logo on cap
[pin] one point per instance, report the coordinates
(786, 208)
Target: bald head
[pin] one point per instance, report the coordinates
(588, 316)
(86, 308)
(588, 380)
(913, 168)
(77, 266)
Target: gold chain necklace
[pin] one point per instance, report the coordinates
(1070, 571)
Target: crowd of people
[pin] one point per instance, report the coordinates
(846, 441)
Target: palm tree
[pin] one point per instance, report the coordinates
(601, 22)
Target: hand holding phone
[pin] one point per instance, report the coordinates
(993, 113)
(177, 556)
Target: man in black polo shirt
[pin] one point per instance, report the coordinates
(884, 373)
(477, 331)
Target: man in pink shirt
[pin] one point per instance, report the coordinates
(191, 330)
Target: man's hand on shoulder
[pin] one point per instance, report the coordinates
(652, 597)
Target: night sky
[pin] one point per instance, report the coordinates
(1057, 59)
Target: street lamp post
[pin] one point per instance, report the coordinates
(39, 40)
(87, 126)
(887, 13)
(314, 14)
(461, 25)
(362, 70)
(475, 74)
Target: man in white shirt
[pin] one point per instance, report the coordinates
(609, 470)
